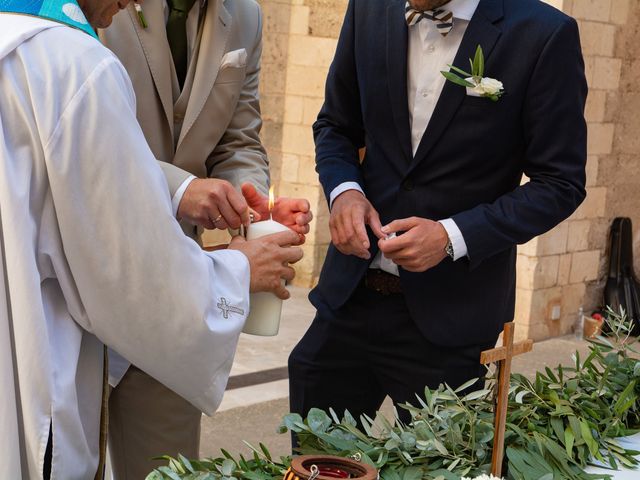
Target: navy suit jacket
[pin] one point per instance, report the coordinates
(471, 159)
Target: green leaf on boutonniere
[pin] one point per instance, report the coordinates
(452, 77)
(460, 71)
(478, 63)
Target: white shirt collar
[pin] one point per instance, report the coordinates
(462, 9)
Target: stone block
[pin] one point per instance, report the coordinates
(311, 51)
(297, 139)
(306, 81)
(530, 248)
(599, 234)
(559, 4)
(290, 165)
(595, 107)
(304, 268)
(585, 266)
(578, 239)
(293, 108)
(593, 206)
(554, 242)
(593, 163)
(321, 227)
(619, 11)
(275, 165)
(573, 297)
(272, 79)
(307, 171)
(271, 135)
(597, 38)
(589, 66)
(275, 49)
(537, 272)
(311, 109)
(299, 20)
(326, 16)
(564, 269)
(525, 271)
(542, 302)
(272, 107)
(606, 73)
(313, 193)
(276, 17)
(598, 10)
(600, 138)
(523, 307)
(627, 140)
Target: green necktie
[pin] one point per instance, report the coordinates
(177, 35)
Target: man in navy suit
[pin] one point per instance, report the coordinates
(414, 303)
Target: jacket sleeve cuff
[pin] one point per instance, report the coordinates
(340, 189)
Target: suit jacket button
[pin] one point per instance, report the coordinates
(407, 185)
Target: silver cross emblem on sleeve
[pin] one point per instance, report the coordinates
(227, 309)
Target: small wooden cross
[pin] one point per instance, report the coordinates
(503, 356)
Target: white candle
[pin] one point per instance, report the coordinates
(266, 308)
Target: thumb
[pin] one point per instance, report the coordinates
(398, 226)
(251, 195)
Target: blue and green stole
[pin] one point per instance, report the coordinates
(67, 12)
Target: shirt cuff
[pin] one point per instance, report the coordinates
(177, 198)
(456, 238)
(343, 187)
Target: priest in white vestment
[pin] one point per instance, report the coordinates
(88, 242)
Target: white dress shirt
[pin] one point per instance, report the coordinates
(428, 54)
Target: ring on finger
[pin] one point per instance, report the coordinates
(217, 219)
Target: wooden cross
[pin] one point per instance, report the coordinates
(503, 356)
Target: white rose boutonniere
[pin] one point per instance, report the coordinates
(476, 84)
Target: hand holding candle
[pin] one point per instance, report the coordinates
(294, 213)
(266, 308)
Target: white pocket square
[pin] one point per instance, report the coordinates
(236, 59)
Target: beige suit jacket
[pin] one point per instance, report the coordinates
(221, 125)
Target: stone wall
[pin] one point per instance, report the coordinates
(300, 39)
(566, 267)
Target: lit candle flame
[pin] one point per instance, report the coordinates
(272, 201)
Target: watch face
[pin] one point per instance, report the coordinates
(449, 249)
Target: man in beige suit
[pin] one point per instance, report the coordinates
(194, 65)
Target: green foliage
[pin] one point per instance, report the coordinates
(260, 467)
(556, 424)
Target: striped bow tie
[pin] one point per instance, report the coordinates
(442, 18)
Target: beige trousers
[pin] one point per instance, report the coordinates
(147, 420)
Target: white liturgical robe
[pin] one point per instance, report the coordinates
(91, 255)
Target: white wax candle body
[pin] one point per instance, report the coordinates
(265, 307)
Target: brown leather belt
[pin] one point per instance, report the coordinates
(382, 282)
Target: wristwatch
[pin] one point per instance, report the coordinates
(449, 249)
